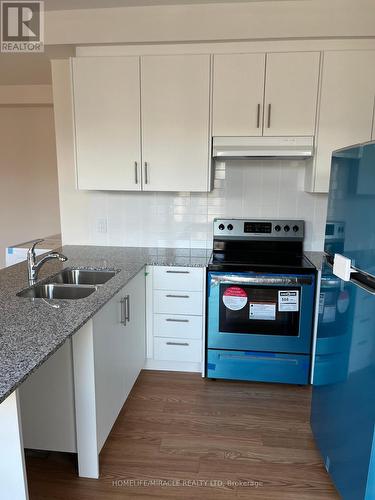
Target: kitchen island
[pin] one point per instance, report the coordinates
(31, 331)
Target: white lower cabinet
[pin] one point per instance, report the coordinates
(178, 302)
(72, 401)
(47, 404)
(177, 278)
(184, 350)
(177, 325)
(119, 352)
(175, 322)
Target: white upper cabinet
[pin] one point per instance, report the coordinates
(346, 109)
(176, 122)
(238, 87)
(107, 122)
(265, 94)
(144, 123)
(175, 131)
(291, 93)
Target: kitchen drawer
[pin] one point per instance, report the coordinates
(258, 366)
(172, 349)
(178, 302)
(169, 325)
(178, 278)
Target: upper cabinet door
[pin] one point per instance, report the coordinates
(291, 92)
(238, 88)
(176, 122)
(107, 122)
(346, 108)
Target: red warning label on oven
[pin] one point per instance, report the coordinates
(235, 298)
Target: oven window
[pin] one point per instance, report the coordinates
(257, 309)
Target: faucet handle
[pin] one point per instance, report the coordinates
(31, 250)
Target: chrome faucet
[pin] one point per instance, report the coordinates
(33, 267)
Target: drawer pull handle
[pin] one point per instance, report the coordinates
(178, 320)
(127, 308)
(170, 296)
(123, 311)
(257, 358)
(136, 172)
(269, 116)
(178, 343)
(258, 116)
(178, 272)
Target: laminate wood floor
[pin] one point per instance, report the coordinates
(181, 437)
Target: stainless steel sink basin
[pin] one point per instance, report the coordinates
(57, 291)
(82, 277)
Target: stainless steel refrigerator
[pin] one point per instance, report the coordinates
(343, 401)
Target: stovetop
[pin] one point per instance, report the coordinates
(257, 245)
(278, 264)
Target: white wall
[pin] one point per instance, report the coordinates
(225, 21)
(242, 189)
(29, 206)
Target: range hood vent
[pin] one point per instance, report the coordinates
(262, 147)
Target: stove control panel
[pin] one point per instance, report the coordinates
(257, 229)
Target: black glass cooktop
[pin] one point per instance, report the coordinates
(260, 264)
(240, 257)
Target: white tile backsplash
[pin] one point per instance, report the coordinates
(256, 188)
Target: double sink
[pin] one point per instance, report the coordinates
(69, 284)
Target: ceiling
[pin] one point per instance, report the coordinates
(98, 4)
(34, 69)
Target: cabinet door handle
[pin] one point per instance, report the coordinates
(123, 311)
(136, 171)
(178, 272)
(170, 296)
(146, 172)
(177, 320)
(178, 343)
(269, 116)
(127, 308)
(258, 116)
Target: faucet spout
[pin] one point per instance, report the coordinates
(33, 267)
(53, 255)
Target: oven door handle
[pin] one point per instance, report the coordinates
(261, 280)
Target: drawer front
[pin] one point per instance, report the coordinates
(177, 350)
(258, 366)
(178, 278)
(169, 325)
(178, 302)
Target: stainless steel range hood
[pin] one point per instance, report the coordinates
(262, 147)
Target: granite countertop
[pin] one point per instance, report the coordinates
(32, 330)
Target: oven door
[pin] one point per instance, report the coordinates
(248, 311)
